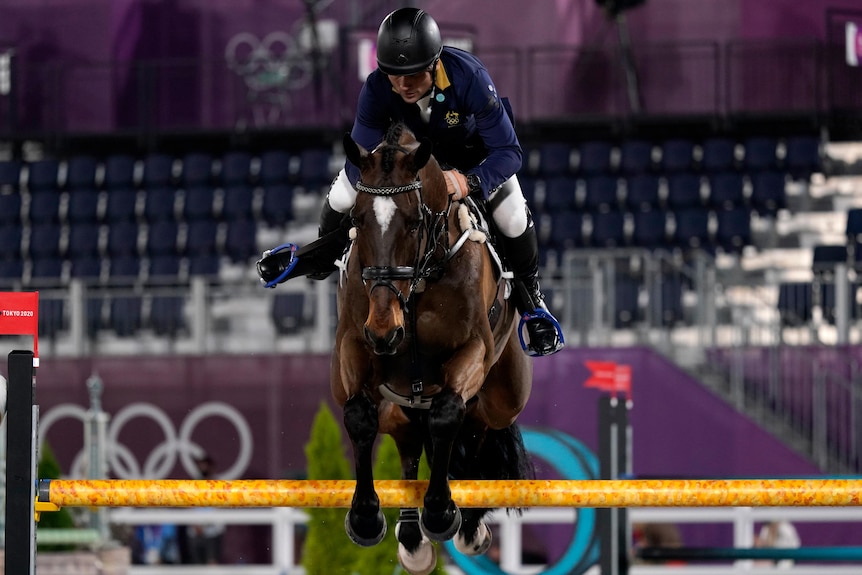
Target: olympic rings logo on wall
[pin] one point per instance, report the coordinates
(122, 464)
(274, 62)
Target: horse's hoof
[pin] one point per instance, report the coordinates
(422, 561)
(353, 524)
(440, 530)
(480, 544)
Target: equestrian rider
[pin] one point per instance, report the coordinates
(446, 95)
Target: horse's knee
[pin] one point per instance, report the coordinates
(446, 415)
(360, 417)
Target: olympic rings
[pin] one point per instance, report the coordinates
(276, 61)
(161, 460)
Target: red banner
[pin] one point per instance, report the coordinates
(610, 376)
(19, 315)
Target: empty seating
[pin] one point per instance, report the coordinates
(122, 239)
(10, 176)
(241, 240)
(314, 169)
(126, 315)
(44, 206)
(197, 170)
(555, 159)
(88, 268)
(288, 312)
(718, 155)
(83, 205)
(167, 317)
(726, 190)
(11, 270)
(761, 153)
(595, 158)
(201, 237)
(560, 194)
(125, 268)
(665, 301)
(44, 241)
(83, 240)
(121, 204)
(160, 204)
(677, 155)
(235, 168)
(165, 268)
(81, 173)
(119, 172)
(795, 303)
(238, 202)
(601, 194)
(275, 167)
(691, 228)
(642, 193)
(768, 193)
(626, 301)
(636, 156)
(684, 191)
(52, 317)
(733, 230)
(826, 257)
(162, 238)
(158, 171)
(649, 229)
(199, 203)
(566, 230)
(43, 175)
(10, 207)
(608, 230)
(803, 157)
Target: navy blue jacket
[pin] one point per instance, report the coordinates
(470, 125)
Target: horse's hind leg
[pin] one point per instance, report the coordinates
(441, 518)
(365, 523)
(474, 537)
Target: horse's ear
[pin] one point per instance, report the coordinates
(354, 151)
(422, 154)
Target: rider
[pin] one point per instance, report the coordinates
(446, 95)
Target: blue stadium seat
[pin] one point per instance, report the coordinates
(683, 191)
(277, 205)
(197, 170)
(733, 232)
(826, 256)
(275, 167)
(649, 229)
(162, 238)
(199, 203)
(636, 157)
(11, 270)
(726, 190)
(46, 272)
(627, 310)
(167, 316)
(853, 227)
(95, 315)
(595, 158)
(601, 194)
(126, 268)
(83, 240)
(201, 237)
(122, 239)
(761, 153)
(165, 268)
(555, 159)
(52, 317)
(608, 230)
(160, 204)
(718, 155)
(560, 194)
(81, 172)
(235, 168)
(828, 301)
(126, 315)
(665, 301)
(11, 235)
(288, 313)
(44, 241)
(204, 265)
(10, 207)
(240, 242)
(795, 303)
(803, 157)
(642, 193)
(44, 206)
(43, 175)
(88, 268)
(158, 171)
(121, 205)
(119, 172)
(314, 169)
(83, 205)
(238, 202)
(768, 192)
(10, 176)
(566, 230)
(677, 155)
(691, 228)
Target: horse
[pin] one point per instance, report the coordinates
(426, 350)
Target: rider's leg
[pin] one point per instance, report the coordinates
(518, 238)
(336, 206)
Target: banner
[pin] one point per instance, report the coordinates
(19, 315)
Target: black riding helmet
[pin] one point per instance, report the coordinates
(408, 41)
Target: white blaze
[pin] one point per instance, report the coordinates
(384, 209)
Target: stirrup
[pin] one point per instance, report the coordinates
(542, 315)
(289, 268)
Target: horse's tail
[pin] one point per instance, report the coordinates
(501, 455)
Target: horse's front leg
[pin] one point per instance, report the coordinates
(365, 523)
(441, 518)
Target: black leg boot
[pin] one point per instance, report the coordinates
(315, 260)
(543, 330)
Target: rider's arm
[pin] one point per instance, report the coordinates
(372, 119)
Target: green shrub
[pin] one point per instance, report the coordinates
(49, 468)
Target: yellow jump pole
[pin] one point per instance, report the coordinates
(492, 494)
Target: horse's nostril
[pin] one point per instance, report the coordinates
(396, 337)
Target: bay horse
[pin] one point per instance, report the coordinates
(426, 350)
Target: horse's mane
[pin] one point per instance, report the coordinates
(392, 141)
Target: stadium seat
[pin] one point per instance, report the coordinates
(167, 316)
(601, 194)
(95, 315)
(826, 256)
(10, 176)
(642, 193)
(665, 300)
(795, 303)
(43, 175)
(52, 317)
(314, 168)
(197, 170)
(275, 167)
(121, 205)
(560, 194)
(803, 157)
(733, 230)
(649, 229)
(761, 153)
(162, 238)
(566, 230)
(288, 312)
(235, 168)
(119, 172)
(595, 158)
(83, 205)
(636, 157)
(199, 203)
(828, 301)
(158, 171)
(684, 191)
(853, 228)
(768, 193)
(238, 202)
(691, 228)
(126, 315)
(160, 204)
(11, 270)
(81, 173)
(11, 236)
(125, 268)
(726, 190)
(204, 264)
(44, 241)
(88, 268)
(83, 240)
(241, 240)
(122, 239)
(10, 207)
(165, 268)
(555, 159)
(608, 230)
(46, 272)
(44, 206)
(626, 302)
(677, 155)
(719, 155)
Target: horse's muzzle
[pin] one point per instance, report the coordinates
(386, 345)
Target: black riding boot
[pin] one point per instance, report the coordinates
(543, 330)
(315, 260)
